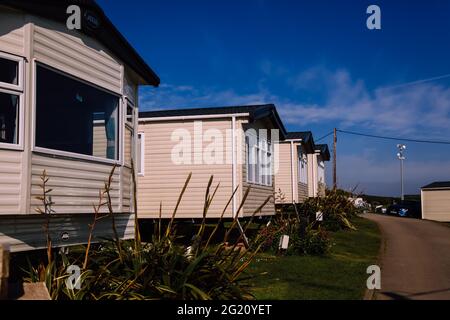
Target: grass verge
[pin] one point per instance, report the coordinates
(339, 275)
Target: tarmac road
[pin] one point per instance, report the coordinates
(415, 259)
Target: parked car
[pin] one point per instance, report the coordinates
(410, 209)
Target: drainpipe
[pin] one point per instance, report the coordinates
(234, 178)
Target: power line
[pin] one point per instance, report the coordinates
(325, 136)
(393, 138)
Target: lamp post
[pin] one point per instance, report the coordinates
(401, 148)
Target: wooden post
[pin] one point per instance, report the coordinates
(334, 159)
(4, 271)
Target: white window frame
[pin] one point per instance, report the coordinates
(127, 102)
(262, 153)
(20, 61)
(141, 172)
(17, 90)
(302, 168)
(73, 155)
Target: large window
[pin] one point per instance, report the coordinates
(10, 100)
(259, 160)
(302, 167)
(72, 116)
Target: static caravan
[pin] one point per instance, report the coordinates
(68, 105)
(291, 180)
(316, 171)
(436, 201)
(236, 145)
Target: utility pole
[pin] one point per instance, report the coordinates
(401, 157)
(334, 159)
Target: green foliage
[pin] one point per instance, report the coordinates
(310, 241)
(307, 236)
(162, 269)
(336, 208)
(304, 238)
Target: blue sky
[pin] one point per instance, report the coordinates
(319, 64)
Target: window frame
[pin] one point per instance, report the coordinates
(20, 70)
(141, 173)
(262, 152)
(74, 155)
(17, 90)
(127, 126)
(302, 172)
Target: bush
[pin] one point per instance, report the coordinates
(336, 208)
(304, 238)
(310, 242)
(162, 269)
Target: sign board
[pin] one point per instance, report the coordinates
(319, 216)
(284, 242)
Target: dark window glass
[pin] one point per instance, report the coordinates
(130, 114)
(9, 71)
(9, 118)
(75, 117)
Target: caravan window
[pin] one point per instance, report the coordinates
(73, 116)
(10, 100)
(259, 159)
(9, 118)
(302, 167)
(9, 71)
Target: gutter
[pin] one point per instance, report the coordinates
(195, 117)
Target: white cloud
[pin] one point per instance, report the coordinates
(419, 110)
(406, 110)
(365, 171)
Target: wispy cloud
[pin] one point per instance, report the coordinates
(172, 97)
(348, 102)
(423, 108)
(369, 175)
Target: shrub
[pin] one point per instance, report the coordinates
(162, 269)
(304, 238)
(310, 242)
(336, 208)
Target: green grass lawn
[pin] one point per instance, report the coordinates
(339, 275)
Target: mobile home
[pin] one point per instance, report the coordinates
(68, 105)
(316, 171)
(291, 179)
(235, 145)
(436, 201)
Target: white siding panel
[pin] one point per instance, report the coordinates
(436, 205)
(164, 179)
(127, 189)
(77, 55)
(26, 232)
(283, 178)
(75, 184)
(10, 178)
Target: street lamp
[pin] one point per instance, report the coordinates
(401, 157)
